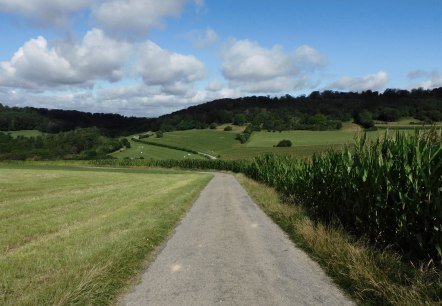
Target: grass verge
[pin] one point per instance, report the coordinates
(78, 237)
(371, 277)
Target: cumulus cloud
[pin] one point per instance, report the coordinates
(172, 71)
(426, 79)
(38, 65)
(253, 68)
(375, 81)
(134, 99)
(48, 12)
(307, 57)
(135, 17)
(125, 18)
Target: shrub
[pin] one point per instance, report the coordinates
(228, 128)
(284, 143)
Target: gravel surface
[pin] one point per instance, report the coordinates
(226, 251)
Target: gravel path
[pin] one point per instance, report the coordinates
(226, 251)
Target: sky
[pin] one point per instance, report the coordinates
(149, 57)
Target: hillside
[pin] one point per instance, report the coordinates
(56, 120)
(317, 111)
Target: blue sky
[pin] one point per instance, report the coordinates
(149, 57)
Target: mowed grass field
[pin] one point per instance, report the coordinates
(72, 236)
(138, 150)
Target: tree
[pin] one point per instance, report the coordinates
(284, 143)
(364, 119)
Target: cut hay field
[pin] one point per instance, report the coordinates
(78, 236)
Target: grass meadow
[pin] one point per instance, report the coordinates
(146, 151)
(213, 142)
(25, 133)
(220, 143)
(78, 236)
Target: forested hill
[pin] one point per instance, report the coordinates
(54, 121)
(318, 111)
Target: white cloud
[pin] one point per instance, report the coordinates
(428, 80)
(253, 68)
(48, 12)
(375, 81)
(203, 39)
(38, 65)
(307, 57)
(135, 17)
(172, 71)
(127, 18)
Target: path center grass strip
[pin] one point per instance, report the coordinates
(78, 237)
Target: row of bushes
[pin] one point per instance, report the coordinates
(388, 191)
(203, 164)
(245, 135)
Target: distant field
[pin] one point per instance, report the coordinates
(218, 142)
(207, 141)
(406, 123)
(76, 236)
(26, 133)
(138, 150)
(301, 138)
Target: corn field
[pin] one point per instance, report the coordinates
(388, 191)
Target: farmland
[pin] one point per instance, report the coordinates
(24, 133)
(76, 236)
(221, 143)
(138, 150)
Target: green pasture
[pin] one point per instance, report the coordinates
(406, 123)
(302, 138)
(220, 143)
(146, 151)
(207, 141)
(78, 236)
(25, 133)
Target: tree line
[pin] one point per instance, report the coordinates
(86, 143)
(318, 111)
(56, 120)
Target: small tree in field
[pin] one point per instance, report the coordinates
(284, 143)
(159, 134)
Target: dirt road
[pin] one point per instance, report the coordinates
(226, 251)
